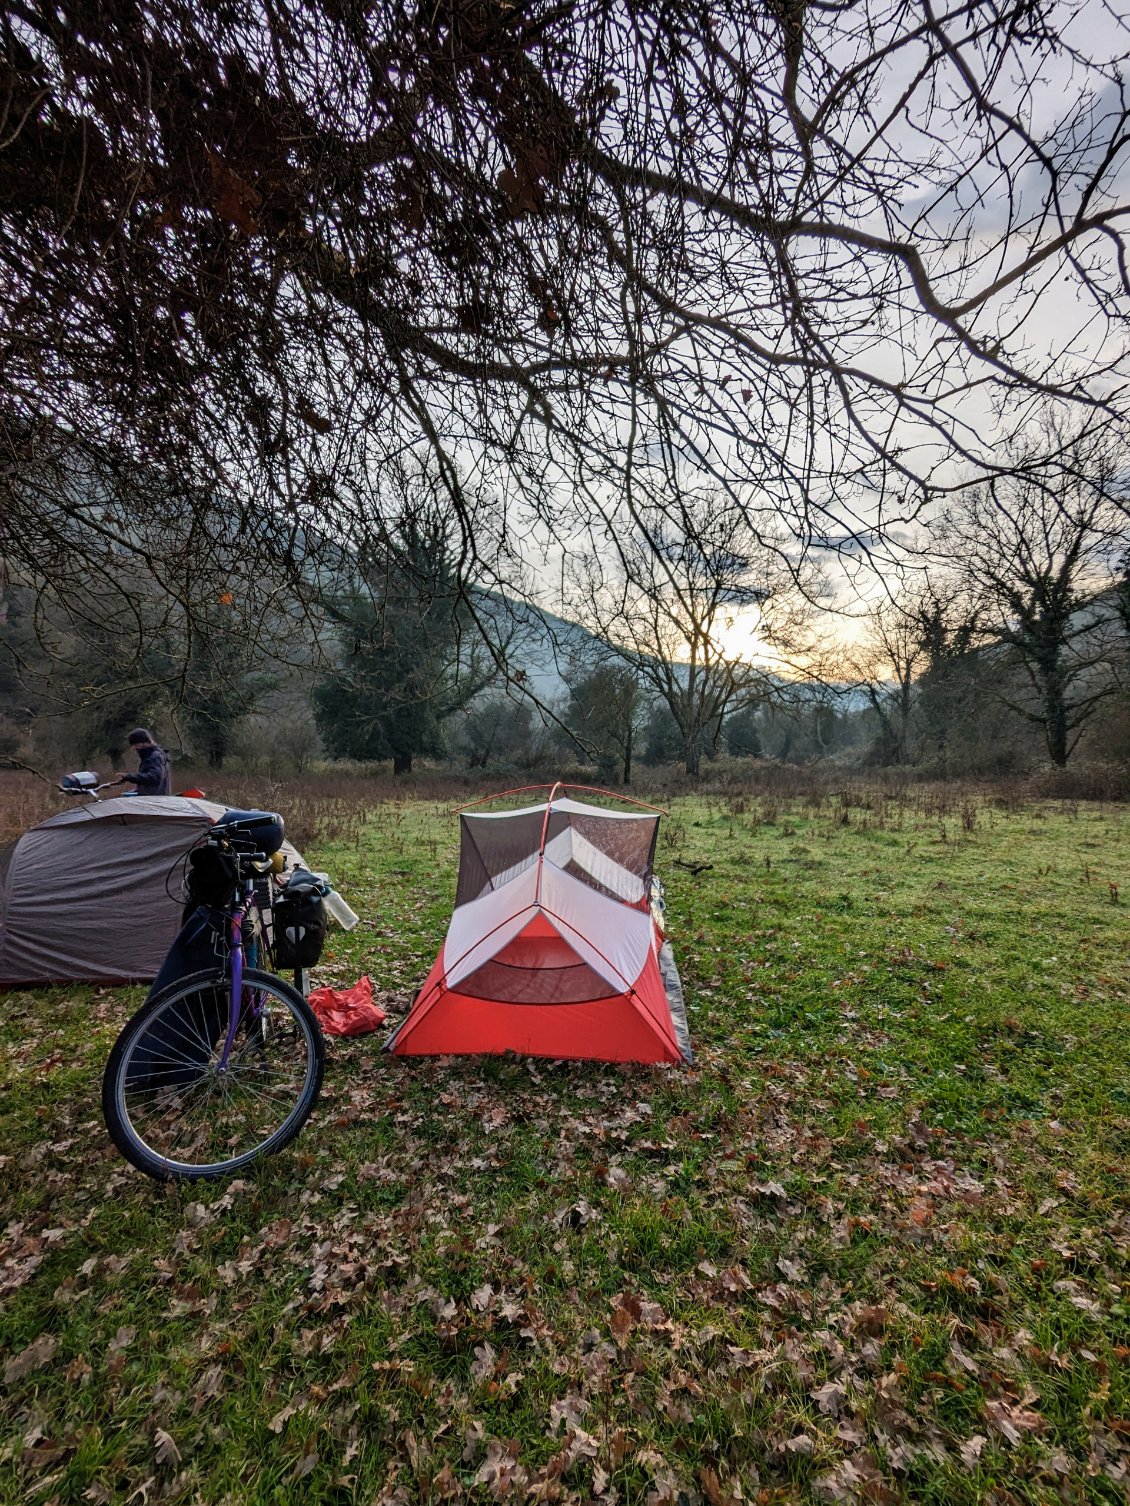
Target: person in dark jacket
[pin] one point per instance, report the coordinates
(152, 777)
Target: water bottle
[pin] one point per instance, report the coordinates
(336, 906)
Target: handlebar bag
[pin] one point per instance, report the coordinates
(212, 877)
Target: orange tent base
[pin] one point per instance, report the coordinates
(554, 948)
(620, 1028)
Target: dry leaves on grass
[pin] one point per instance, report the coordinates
(307, 1462)
(830, 1397)
(121, 1340)
(31, 1359)
(570, 1409)
(500, 1471)
(971, 1450)
(1013, 1421)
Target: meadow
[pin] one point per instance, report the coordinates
(872, 1246)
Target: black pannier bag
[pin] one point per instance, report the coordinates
(180, 1041)
(299, 925)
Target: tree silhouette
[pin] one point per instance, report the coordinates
(1038, 552)
(405, 664)
(266, 249)
(665, 588)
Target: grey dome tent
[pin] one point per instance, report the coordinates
(93, 894)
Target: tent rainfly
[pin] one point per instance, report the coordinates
(93, 893)
(555, 947)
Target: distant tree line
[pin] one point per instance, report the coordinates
(1003, 643)
(1011, 639)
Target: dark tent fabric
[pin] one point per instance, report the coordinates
(93, 894)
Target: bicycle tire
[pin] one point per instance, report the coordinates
(190, 1058)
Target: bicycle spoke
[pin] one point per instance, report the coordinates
(186, 1110)
(201, 1037)
(267, 1098)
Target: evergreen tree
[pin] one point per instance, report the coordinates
(405, 667)
(742, 733)
(221, 684)
(606, 712)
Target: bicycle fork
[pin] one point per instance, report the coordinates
(235, 1004)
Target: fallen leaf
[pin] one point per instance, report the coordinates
(308, 1462)
(872, 1320)
(500, 1471)
(210, 1385)
(621, 1323)
(970, 1450)
(165, 1449)
(568, 1410)
(1012, 1421)
(279, 1420)
(446, 1485)
(580, 1445)
(829, 1397)
(717, 1493)
(472, 1442)
(33, 1358)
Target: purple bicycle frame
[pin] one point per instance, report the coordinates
(239, 915)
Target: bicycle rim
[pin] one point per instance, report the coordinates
(174, 1112)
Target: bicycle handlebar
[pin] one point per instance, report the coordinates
(91, 790)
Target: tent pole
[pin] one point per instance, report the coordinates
(541, 844)
(592, 789)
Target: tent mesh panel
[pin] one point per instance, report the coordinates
(494, 846)
(576, 984)
(631, 844)
(474, 876)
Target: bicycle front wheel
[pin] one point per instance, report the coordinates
(174, 1111)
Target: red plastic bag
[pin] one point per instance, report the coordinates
(347, 1011)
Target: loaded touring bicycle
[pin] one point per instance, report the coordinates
(223, 1062)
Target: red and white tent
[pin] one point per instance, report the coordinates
(555, 947)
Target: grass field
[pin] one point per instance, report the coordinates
(872, 1246)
